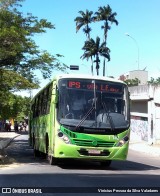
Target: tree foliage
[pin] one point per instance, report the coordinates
(84, 20)
(154, 81)
(20, 57)
(18, 50)
(16, 107)
(11, 81)
(104, 14)
(95, 49)
(132, 82)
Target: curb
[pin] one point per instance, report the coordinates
(5, 142)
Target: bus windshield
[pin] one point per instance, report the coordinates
(93, 104)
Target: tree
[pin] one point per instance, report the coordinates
(20, 57)
(18, 51)
(11, 81)
(95, 49)
(154, 81)
(16, 108)
(132, 82)
(84, 20)
(105, 14)
(4, 4)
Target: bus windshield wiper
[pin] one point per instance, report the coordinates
(109, 118)
(85, 116)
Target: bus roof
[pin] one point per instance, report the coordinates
(83, 76)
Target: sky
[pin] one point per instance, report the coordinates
(138, 18)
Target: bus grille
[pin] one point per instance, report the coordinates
(79, 142)
(71, 134)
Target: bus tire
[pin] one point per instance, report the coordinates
(47, 146)
(35, 151)
(52, 160)
(106, 163)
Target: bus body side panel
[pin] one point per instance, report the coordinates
(39, 129)
(53, 122)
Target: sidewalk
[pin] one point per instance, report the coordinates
(140, 146)
(6, 138)
(144, 147)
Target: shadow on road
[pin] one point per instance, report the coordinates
(79, 180)
(115, 165)
(20, 152)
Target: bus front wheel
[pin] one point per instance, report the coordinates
(52, 160)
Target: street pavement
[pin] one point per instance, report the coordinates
(140, 146)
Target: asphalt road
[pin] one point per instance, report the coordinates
(139, 173)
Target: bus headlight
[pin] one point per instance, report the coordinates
(64, 137)
(123, 141)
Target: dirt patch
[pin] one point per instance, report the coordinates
(5, 160)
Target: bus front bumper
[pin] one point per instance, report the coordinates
(81, 152)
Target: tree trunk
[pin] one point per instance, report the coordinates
(97, 64)
(104, 66)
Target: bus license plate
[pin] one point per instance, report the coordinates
(93, 151)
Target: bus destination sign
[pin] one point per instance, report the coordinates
(99, 86)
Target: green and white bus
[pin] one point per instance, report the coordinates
(96, 127)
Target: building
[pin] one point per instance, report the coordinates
(145, 113)
(141, 75)
(145, 108)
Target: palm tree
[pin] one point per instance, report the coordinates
(95, 49)
(84, 20)
(89, 52)
(105, 14)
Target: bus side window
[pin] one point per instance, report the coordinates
(44, 102)
(33, 110)
(39, 105)
(36, 107)
(49, 94)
